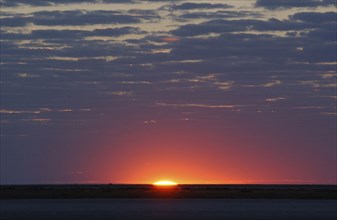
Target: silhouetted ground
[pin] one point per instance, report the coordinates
(328, 192)
(241, 202)
(167, 209)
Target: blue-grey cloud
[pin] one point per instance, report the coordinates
(315, 17)
(217, 15)
(18, 21)
(79, 17)
(223, 26)
(13, 3)
(135, 67)
(190, 6)
(71, 34)
(74, 34)
(275, 4)
(323, 35)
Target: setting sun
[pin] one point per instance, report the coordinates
(165, 183)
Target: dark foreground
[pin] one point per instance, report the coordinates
(232, 209)
(110, 191)
(89, 202)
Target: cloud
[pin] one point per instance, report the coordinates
(226, 26)
(17, 21)
(150, 122)
(224, 85)
(79, 17)
(330, 85)
(73, 34)
(329, 113)
(309, 107)
(27, 75)
(39, 111)
(315, 17)
(37, 120)
(115, 32)
(191, 6)
(275, 99)
(276, 4)
(194, 105)
(272, 83)
(328, 75)
(217, 15)
(120, 93)
(14, 3)
(7, 111)
(196, 59)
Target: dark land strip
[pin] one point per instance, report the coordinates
(197, 191)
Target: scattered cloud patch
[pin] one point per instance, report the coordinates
(191, 6)
(217, 15)
(315, 17)
(150, 122)
(311, 83)
(272, 83)
(224, 85)
(38, 111)
(7, 111)
(278, 4)
(43, 120)
(275, 99)
(329, 113)
(39, 3)
(27, 75)
(195, 105)
(120, 93)
(77, 18)
(328, 75)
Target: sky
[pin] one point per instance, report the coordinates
(133, 91)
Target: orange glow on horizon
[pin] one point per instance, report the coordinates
(182, 154)
(165, 183)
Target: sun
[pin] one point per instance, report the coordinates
(165, 183)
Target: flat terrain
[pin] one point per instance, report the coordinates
(96, 209)
(180, 191)
(58, 202)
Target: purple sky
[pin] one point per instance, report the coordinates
(132, 91)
